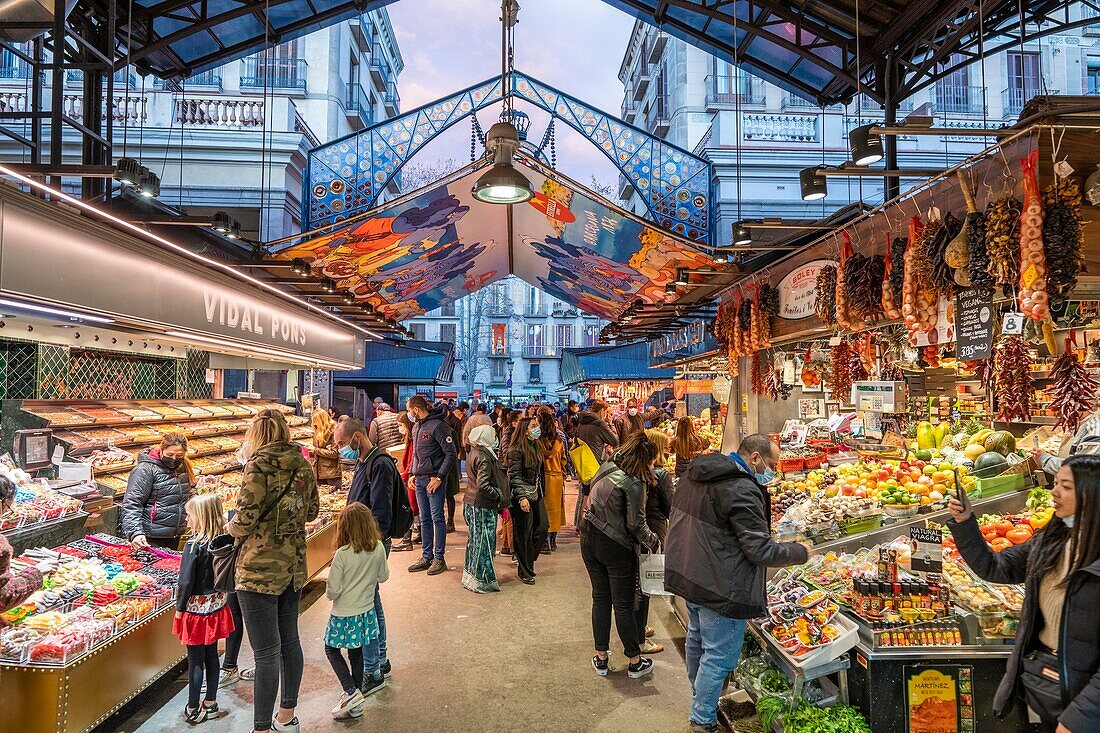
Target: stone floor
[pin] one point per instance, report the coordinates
(517, 660)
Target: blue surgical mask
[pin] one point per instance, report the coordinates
(349, 453)
(535, 432)
(1070, 521)
(765, 478)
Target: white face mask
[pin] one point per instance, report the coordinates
(632, 411)
(1069, 521)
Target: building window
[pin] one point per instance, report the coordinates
(447, 333)
(534, 301)
(447, 310)
(499, 347)
(418, 331)
(1092, 78)
(591, 335)
(534, 337)
(498, 370)
(535, 374)
(565, 334)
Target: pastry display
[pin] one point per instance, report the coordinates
(142, 414)
(107, 461)
(57, 417)
(217, 410)
(195, 410)
(91, 437)
(168, 412)
(104, 414)
(139, 433)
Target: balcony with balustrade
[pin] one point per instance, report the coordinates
(357, 104)
(958, 99)
(260, 72)
(1014, 99)
(392, 100)
(539, 351)
(726, 91)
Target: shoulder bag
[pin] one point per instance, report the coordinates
(224, 548)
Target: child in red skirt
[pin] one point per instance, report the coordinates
(202, 616)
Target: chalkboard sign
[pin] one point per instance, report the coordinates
(973, 324)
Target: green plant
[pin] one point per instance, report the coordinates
(769, 708)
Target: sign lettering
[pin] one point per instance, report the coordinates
(798, 290)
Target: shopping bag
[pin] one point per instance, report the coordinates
(585, 461)
(651, 573)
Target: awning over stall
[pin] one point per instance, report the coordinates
(418, 362)
(440, 244)
(610, 363)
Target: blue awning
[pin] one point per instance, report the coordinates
(628, 362)
(419, 362)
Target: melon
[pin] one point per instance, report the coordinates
(962, 461)
(960, 440)
(973, 451)
(989, 464)
(1002, 442)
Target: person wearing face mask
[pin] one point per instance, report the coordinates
(1055, 663)
(486, 495)
(527, 483)
(630, 422)
(717, 550)
(156, 492)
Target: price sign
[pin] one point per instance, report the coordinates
(973, 324)
(1012, 324)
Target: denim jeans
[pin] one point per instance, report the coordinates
(712, 649)
(433, 525)
(272, 623)
(375, 654)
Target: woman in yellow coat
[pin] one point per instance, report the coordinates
(553, 476)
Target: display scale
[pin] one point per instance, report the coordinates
(75, 695)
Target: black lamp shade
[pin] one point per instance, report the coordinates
(865, 145)
(814, 185)
(741, 233)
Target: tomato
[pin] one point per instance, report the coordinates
(989, 536)
(1000, 543)
(988, 527)
(1019, 535)
(1003, 527)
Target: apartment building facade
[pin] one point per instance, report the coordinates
(235, 138)
(705, 104)
(511, 351)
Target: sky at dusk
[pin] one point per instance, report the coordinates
(573, 45)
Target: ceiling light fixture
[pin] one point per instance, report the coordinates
(813, 184)
(221, 222)
(328, 285)
(6, 170)
(741, 233)
(503, 184)
(148, 184)
(347, 297)
(300, 267)
(865, 145)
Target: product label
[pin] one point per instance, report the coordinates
(1012, 324)
(973, 324)
(927, 554)
(798, 290)
(939, 698)
(1029, 275)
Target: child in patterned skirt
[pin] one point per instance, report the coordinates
(358, 566)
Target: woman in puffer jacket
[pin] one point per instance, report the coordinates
(1055, 664)
(156, 492)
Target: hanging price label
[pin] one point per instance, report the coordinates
(1012, 324)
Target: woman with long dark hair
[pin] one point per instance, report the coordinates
(615, 529)
(1055, 664)
(156, 492)
(525, 477)
(687, 444)
(553, 445)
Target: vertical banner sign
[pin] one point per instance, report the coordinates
(500, 341)
(927, 550)
(939, 698)
(973, 324)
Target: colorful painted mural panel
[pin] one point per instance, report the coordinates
(438, 245)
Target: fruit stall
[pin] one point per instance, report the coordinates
(928, 348)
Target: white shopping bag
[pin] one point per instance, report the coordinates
(651, 573)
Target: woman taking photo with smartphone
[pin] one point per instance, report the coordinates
(1055, 664)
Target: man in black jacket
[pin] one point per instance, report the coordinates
(375, 480)
(718, 547)
(434, 455)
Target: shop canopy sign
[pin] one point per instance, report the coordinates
(49, 255)
(798, 290)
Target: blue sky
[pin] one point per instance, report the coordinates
(574, 45)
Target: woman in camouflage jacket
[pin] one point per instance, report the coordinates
(271, 565)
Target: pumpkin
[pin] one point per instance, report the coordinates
(1002, 442)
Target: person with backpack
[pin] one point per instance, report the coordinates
(487, 493)
(376, 484)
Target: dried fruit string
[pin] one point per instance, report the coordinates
(1072, 390)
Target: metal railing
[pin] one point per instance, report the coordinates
(122, 76)
(1014, 99)
(14, 68)
(392, 98)
(540, 352)
(961, 98)
(793, 101)
(274, 73)
(723, 90)
(379, 66)
(356, 101)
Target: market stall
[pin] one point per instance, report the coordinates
(916, 352)
(614, 374)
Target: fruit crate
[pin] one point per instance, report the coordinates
(815, 461)
(789, 465)
(1003, 484)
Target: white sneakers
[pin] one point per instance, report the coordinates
(291, 727)
(350, 706)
